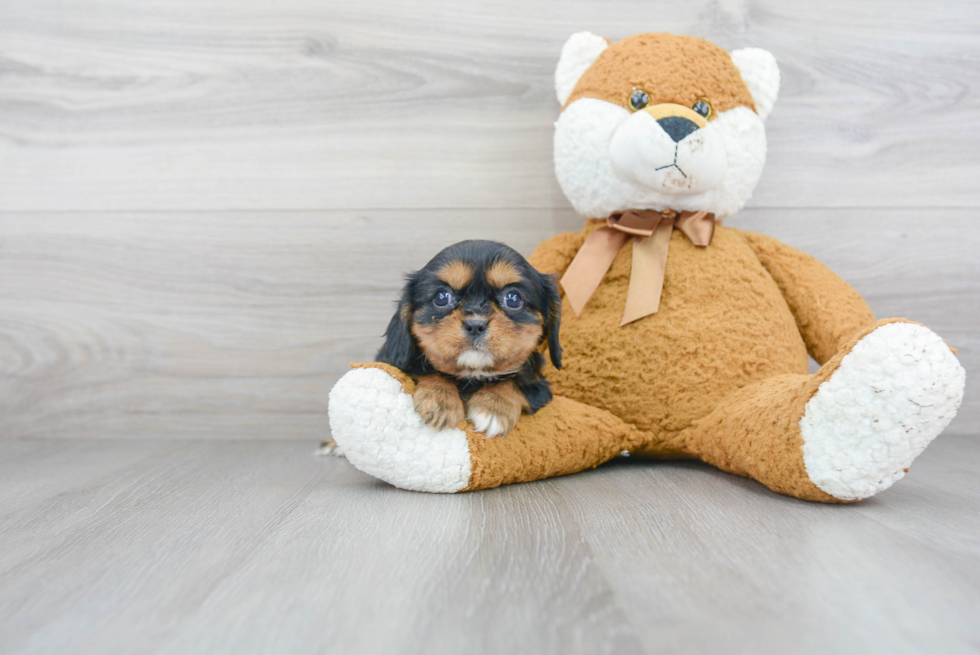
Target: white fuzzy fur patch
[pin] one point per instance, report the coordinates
(375, 423)
(579, 52)
(892, 395)
(761, 74)
(474, 359)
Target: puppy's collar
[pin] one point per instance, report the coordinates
(649, 230)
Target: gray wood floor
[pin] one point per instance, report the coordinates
(206, 208)
(123, 546)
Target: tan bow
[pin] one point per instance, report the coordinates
(650, 231)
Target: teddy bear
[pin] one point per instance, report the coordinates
(682, 337)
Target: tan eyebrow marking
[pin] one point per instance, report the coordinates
(501, 273)
(456, 274)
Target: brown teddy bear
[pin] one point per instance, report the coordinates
(682, 338)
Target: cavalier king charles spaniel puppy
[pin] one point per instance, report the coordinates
(468, 327)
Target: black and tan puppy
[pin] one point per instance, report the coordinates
(468, 327)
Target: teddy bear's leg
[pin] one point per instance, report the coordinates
(373, 419)
(846, 432)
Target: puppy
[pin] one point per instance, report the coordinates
(468, 327)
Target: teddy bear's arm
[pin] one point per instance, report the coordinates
(555, 254)
(828, 311)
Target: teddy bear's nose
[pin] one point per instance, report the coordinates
(677, 127)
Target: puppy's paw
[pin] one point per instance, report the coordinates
(494, 409)
(491, 425)
(438, 403)
(329, 447)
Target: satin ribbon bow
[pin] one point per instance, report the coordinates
(650, 232)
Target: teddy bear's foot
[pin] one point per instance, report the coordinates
(374, 422)
(892, 394)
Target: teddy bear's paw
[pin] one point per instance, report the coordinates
(375, 423)
(896, 390)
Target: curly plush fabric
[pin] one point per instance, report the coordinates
(890, 397)
(686, 367)
(761, 74)
(578, 53)
(395, 445)
(807, 285)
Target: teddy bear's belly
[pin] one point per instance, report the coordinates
(722, 324)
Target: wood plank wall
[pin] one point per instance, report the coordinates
(206, 208)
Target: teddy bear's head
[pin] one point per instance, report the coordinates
(657, 121)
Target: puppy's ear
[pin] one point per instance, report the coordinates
(400, 349)
(551, 305)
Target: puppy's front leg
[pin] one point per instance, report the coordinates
(438, 403)
(495, 408)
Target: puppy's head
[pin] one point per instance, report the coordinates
(477, 310)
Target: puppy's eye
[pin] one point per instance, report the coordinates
(639, 99)
(443, 299)
(513, 300)
(702, 107)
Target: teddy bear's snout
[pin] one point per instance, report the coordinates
(669, 148)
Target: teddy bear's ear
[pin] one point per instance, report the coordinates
(761, 74)
(579, 52)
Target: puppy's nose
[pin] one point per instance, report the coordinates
(475, 327)
(677, 127)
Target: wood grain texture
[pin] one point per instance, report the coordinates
(236, 325)
(114, 105)
(258, 547)
(239, 186)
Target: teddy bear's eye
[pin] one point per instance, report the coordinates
(702, 107)
(639, 99)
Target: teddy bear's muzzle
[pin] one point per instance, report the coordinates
(670, 148)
